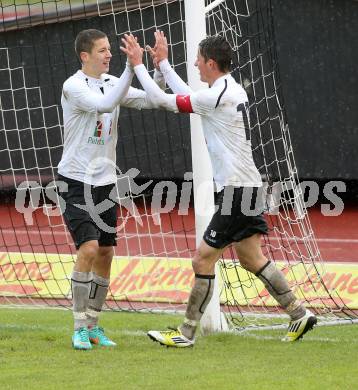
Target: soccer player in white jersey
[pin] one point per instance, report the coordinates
(91, 102)
(223, 108)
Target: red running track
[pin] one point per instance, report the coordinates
(336, 236)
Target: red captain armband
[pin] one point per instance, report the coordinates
(184, 103)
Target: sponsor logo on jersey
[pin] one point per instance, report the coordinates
(98, 129)
(97, 139)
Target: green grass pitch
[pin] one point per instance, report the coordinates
(36, 353)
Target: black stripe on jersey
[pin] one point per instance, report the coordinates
(222, 93)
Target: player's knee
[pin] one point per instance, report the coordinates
(252, 262)
(203, 262)
(106, 254)
(89, 250)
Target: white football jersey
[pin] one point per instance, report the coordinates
(224, 111)
(225, 119)
(90, 137)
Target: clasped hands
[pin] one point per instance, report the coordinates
(134, 51)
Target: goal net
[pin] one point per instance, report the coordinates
(156, 239)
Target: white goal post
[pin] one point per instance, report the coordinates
(195, 27)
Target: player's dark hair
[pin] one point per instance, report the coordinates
(85, 40)
(217, 48)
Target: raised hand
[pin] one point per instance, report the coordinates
(132, 49)
(151, 51)
(160, 50)
(161, 46)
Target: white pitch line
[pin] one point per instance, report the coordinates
(306, 339)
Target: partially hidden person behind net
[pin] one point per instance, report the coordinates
(91, 101)
(224, 111)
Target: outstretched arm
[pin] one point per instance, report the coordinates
(202, 102)
(161, 99)
(108, 102)
(159, 54)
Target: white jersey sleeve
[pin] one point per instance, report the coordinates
(176, 84)
(137, 98)
(161, 99)
(201, 102)
(204, 102)
(159, 79)
(82, 98)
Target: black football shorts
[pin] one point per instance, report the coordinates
(239, 215)
(82, 225)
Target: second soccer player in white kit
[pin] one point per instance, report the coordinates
(223, 108)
